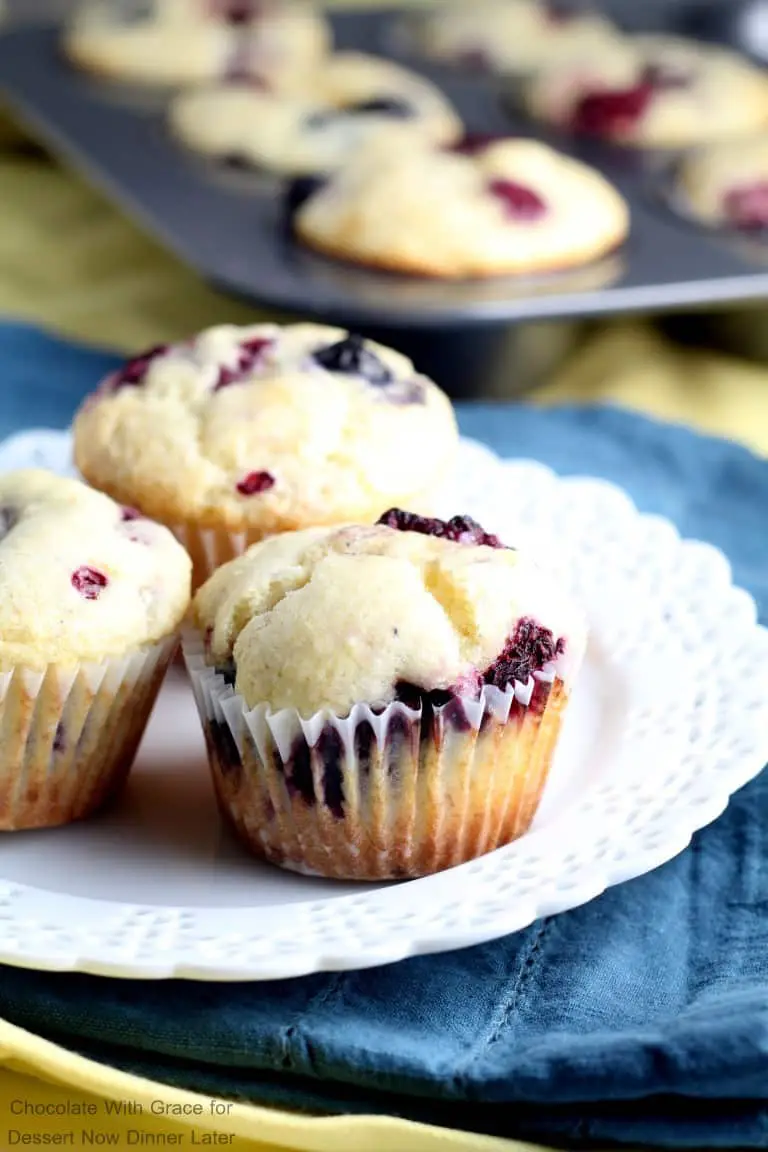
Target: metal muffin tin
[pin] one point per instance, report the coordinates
(232, 231)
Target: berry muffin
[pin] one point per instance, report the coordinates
(91, 599)
(510, 206)
(346, 103)
(381, 702)
(726, 186)
(168, 43)
(240, 433)
(653, 92)
(511, 36)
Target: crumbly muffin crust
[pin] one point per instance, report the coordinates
(513, 206)
(266, 429)
(324, 619)
(80, 577)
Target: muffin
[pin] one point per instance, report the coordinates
(510, 36)
(653, 92)
(91, 598)
(504, 207)
(240, 433)
(726, 185)
(346, 103)
(381, 702)
(169, 43)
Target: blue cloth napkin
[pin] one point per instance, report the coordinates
(639, 1018)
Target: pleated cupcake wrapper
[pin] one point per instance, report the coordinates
(69, 734)
(211, 547)
(378, 795)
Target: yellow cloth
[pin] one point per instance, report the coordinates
(70, 262)
(38, 1074)
(634, 366)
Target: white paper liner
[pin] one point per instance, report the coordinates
(377, 795)
(211, 547)
(69, 735)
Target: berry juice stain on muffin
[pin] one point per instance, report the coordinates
(250, 353)
(89, 583)
(607, 112)
(520, 202)
(134, 372)
(529, 649)
(255, 483)
(330, 750)
(59, 739)
(298, 773)
(226, 749)
(459, 529)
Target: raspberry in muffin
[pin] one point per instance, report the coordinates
(726, 185)
(244, 432)
(653, 92)
(382, 701)
(91, 598)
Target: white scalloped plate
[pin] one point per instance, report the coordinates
(655, 743)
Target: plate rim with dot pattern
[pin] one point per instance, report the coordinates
(609, 821)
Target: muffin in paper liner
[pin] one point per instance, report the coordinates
(69, 734)
(387, 794)
(243, 432)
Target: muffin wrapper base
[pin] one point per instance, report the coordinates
(378, 796)
(211, 547)
(69, 734)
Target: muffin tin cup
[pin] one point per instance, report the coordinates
(70, 734)
(386, 794)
